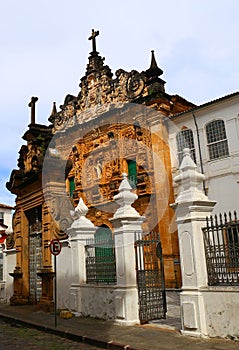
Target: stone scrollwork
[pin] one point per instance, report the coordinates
(10, 241)
(135, 84)
(60, 211)
(60, 122)
(98, 90)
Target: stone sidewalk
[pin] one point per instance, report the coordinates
(160, 334)
(173, 319)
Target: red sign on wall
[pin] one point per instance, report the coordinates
(55, 247)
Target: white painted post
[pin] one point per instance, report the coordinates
(192, 207)
(126, 222)
(81, 231)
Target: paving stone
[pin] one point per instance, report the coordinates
(19, 338)
(104, 334)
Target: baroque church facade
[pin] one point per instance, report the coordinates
(116, 124)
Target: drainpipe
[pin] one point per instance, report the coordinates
(200, 153)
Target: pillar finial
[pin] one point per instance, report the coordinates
(124, 199)
(54, 110)
(189, 180)
(79, 216)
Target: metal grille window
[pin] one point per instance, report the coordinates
(185, 140)
(100, 258)
(221, 240)
(217, 140)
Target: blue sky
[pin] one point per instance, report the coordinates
(44, 52)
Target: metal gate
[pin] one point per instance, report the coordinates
(35, 253)
(150, 278)
(35, 264)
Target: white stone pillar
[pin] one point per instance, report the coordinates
(192, 207)
(80, 233)
(126, 222)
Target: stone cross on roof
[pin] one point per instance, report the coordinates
(32, 104)
(92, 37)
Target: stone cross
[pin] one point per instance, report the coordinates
(32, 104)
(92, 37)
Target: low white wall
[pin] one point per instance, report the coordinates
(84, 299)
(93, 300)
(64, 276)
(221, 309)
(6, 286)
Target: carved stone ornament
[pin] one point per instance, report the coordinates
(60, 211)
(10, 241)
(134, 85)
(99, 90)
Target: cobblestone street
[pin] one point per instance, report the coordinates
(17, 337)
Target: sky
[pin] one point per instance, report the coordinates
(44, 53)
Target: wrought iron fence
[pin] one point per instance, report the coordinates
(221, 241)
(100, 261)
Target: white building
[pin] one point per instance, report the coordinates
(6, 216)
(211, 132)
(7, 256)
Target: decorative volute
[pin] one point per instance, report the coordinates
(189, 180)
(124, 199)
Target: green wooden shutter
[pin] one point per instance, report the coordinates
(132, 172)
(72, 186)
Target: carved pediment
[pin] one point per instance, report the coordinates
(99, 89)
(98, 93)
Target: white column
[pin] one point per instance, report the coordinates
(192, 207)
(126, 222)
(80, 233)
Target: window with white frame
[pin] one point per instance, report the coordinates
(185, 140)
(1, 217)
(1, 264)
(217, 140)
